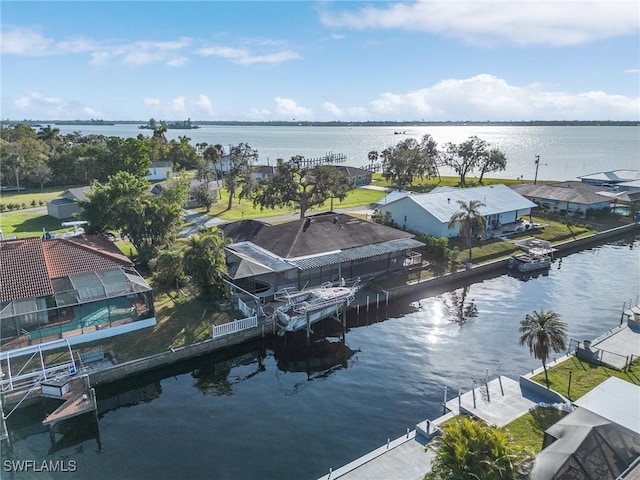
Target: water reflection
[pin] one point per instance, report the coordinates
(346, 393)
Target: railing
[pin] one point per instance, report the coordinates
(246, 309)
(235, 326)
(27, 380)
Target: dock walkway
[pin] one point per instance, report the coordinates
(79, 400)
(499, 402)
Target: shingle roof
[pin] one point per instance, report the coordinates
(28, 265)
(323, 233)
(243, 230)
(23, 269)
(444, 203)
(574, 192)
(352, 171)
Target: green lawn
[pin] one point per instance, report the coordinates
(27, 196)
(425, 185)
(244, 209)
(25, 223)
(528, 430)
(584, 376)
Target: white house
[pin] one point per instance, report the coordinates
(160, 170)
(429, 213)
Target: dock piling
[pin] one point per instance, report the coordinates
(473, 392)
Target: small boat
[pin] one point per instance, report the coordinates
(307, 307)
(529, 262)
(77, 231)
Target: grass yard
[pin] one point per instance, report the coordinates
(27, 223)
(528, 430)
(244, 209)
(584, 376)
(182, 319)
(28, 196)
(425, 185)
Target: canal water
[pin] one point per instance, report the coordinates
(272, 410)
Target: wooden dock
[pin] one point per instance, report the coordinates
(81, 399)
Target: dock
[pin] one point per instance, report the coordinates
(80, 399)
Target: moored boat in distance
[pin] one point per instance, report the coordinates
(306, 307)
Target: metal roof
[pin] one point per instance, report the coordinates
(615, 176)
(364, 251)
(251, 251)
(444, 204)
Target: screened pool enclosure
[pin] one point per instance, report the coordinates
(83, 304)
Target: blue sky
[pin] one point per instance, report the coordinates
(304, 60)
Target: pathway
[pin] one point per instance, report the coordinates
(498, 402)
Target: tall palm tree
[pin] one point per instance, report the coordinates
(50, 136)
(471, 221)
(542, 332)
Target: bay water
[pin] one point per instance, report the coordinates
(566, 152)
(275, 410)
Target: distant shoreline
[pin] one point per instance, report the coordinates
(530, 123)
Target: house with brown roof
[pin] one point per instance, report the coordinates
(308, 252)
(76, 289)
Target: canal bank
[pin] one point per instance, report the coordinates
(302, 414)
(372, 296)
(498, 402)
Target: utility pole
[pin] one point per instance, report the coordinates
(535, 180)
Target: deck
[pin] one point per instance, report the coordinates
(79, 400)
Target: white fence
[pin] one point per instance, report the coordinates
(235, 326)
(246, 309)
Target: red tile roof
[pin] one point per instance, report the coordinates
(28, 265)
(23, 270)
(66, 256)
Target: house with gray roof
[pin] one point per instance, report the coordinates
(263, 258)
(611, 178)
(67, 205)
(575, 198)
(159, 170)
(429, 213)
(600, 440)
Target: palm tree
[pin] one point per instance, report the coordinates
(471, 221)
(542, 332)
(471, 449)
(49, 135)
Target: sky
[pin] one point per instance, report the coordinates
(439, 60)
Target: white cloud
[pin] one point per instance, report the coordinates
(181, 107)
(39, 106)
(487, 97)
(632, 70)
(289, 109)
(25, 41)
(258, 114)
(543, 22)
(242, 56)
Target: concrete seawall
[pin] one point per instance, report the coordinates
(134, 367)
(461, 277)
(266, 327)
